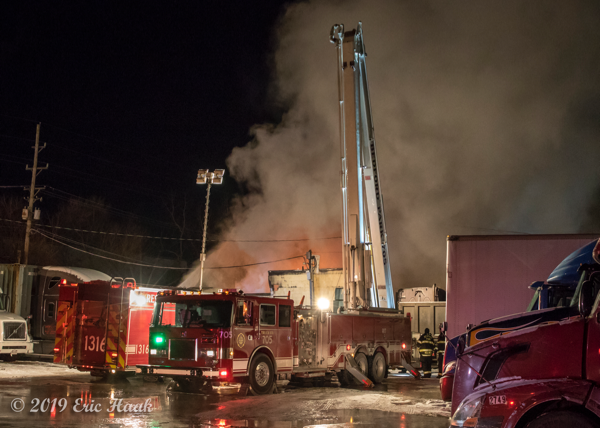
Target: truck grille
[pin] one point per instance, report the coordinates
(14, 331)
(182, 349)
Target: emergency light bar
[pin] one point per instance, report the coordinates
(229, 291)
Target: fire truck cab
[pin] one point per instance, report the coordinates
(202, 340)
(217, 337)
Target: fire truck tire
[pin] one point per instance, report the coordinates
(363, 363)
(262, 375)
(378, 368)
(561, 419)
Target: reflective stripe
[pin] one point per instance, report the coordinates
(240, 364)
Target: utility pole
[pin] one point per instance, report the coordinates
(311, 279)
(210, 178)
(33, 191)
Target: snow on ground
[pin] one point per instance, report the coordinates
(29, 369)
(313, 403)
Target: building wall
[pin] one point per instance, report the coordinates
(297, 284)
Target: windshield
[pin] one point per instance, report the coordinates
(193, 313)
(534, 305)
(552, 297)
(575, 299)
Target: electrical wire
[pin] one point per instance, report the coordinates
(50, 191)
(172, 239)
(155, 266)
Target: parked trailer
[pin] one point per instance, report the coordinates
(232, 337)
(489, 276)
(423, 315)
(102, 326)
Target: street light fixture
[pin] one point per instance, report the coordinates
(210, 178)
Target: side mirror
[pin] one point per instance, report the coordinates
(586, 299)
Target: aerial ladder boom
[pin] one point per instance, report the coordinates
(366, 264)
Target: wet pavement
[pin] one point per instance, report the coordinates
(76, 400)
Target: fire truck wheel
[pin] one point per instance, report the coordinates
(261, 374)
(363, 363)
(378, 368)
(150, 378)
(561, 419)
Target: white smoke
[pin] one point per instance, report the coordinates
(477, 109)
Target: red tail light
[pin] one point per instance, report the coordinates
(113, 354)
(403, 345)
(348, 347)
(56, 350)
(223, 373)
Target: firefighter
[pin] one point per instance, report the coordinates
(426, 348)
(440, 348)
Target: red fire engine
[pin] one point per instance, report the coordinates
(102, 326)
(226, 337)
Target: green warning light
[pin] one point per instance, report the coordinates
(159, 339)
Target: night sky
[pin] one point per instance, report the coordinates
(486, 115)
(133, 97)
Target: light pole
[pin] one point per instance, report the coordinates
(210, 178)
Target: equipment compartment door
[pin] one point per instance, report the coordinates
(284, 334)
(90, 339)
(268, 331)
(243, 335)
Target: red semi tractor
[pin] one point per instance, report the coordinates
(544, 373)
(203, 340)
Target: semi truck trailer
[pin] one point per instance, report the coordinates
(489, 276)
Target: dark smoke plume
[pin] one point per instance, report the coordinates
(486, 117)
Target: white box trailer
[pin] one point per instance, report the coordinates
(489, 276)
(423, 315)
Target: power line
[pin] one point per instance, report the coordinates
(161, 267)
(104, 257)
(19, 118)
(92, 204)
(171, 239)
(126, 167)
(120, 147)
(97, 178)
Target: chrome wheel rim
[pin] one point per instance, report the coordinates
(379, 366)
(361, 360)
(262, 374)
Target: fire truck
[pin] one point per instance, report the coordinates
(200, 339)
(102, 326)
(231, 337)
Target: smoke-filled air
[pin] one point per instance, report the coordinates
(486, 119)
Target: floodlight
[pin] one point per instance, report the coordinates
(201, 176)
(218, 176)
(323, 303)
